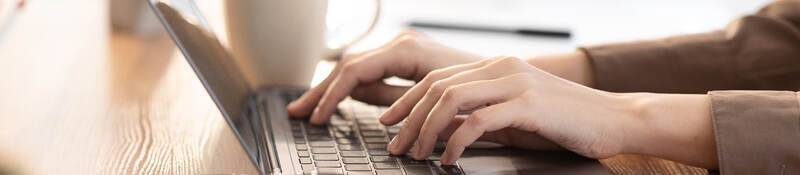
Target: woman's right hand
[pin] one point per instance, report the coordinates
(410, 56)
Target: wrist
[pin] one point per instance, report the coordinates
(638, 130)
(634, 127)
(677, 127)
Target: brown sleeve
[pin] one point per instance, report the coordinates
(756, 52)
(757, 132)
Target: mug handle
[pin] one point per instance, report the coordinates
(335, 54)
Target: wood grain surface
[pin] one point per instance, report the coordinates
(78, 98)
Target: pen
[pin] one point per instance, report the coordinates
(522, 31)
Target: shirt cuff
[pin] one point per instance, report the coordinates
(757, 132)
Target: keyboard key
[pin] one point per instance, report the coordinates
(303, 153)
(367, 121)
(328, 164)
(435, 156)
(299, 141)
(311, 130)
(375, 127)
(351, 160)
(360, 173)
(386, 165)
(319, 138)
(345, 129)
(421, 170)
(308, 167)
(353, 154)
(336, 121)
(383, 159)
(376, 146)
(319, 157)
(446, 169)
(350, 147)
(373, 134)
(347, 141)
(388, 172)
(301, 147)
(408, 161)
(322, 144)
(376, 140)
(329, 171)
(344, 135)
(305, 160)
(357, 167)
(323, 150)
(378, 152)
(393, 130)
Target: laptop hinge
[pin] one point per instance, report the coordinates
(271, 161)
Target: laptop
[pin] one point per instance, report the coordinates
(352, 143)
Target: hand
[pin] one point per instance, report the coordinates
(410, 55)
(506, 95)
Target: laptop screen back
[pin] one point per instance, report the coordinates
(214, 67)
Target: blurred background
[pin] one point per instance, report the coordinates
(589, 21)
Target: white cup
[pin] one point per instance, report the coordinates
(280, 42)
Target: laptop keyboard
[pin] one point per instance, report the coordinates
(356, 146)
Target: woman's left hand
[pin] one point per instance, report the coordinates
(508, 98)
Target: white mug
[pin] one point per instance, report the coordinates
(280, 42)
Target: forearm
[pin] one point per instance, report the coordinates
(672, 126)
(574, 66)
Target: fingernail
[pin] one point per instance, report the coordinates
(445, 158)
(448, 157)
(393, 145)
(416, 153)
(383, 117)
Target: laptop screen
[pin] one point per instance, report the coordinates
(214, 67)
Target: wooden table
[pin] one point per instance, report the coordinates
(78, 98)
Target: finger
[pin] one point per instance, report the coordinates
(454, 124)
(505, 136)
(403, 106)
(464, 97)
(406, 105)
(378, 93)
(302, 106)
(489, 119)
(409, 132)
(341, 86)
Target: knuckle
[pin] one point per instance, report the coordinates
(511, 60)
(409, 33)
(434, 75)
(529, 97)
(351, 67)
(438, 87)
(450, 94)
(477, 119)
(409, 40)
